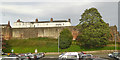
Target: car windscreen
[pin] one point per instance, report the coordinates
(71, 56)
(86, 56)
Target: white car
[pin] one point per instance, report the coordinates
(115, 55)
(69, 55)
(11, 57)
(38, 55)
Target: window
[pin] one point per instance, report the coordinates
(58, 24)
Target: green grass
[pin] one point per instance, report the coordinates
(45, 45)
(76, 48)
(29, 45)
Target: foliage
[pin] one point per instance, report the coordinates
(65, 39)
(94, 32)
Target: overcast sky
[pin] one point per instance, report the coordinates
(29, 11)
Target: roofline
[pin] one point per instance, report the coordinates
(3, 24)
(46, 21)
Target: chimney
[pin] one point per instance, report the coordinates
(69, 20)
(36, 20)
(9, 23)
(18, 20)
(51, 19)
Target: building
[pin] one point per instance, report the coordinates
(5, 25)
(51, 23)
(53, 29)
(5, 31)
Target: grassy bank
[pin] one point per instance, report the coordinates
(44, 45)
(29, 45)
(78, 49)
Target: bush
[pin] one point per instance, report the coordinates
(65, 39)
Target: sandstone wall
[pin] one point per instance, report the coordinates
(25, 33)
(114, 33)
(6, 32)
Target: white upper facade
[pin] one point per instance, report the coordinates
(51, 23)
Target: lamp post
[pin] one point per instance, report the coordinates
(58, 44)
(58, 41)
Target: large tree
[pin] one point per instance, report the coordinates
(94, 32)
(65, 39)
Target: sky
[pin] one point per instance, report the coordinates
(58, 10)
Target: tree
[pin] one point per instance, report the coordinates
(94, 31)
(65, 39)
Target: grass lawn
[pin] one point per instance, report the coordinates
(29, 45)
(44, 45)
(76, 48)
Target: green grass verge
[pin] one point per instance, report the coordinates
(29, 45)
(45, 45)
(76, 48)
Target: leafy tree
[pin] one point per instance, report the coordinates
(65, 39)
(94, 32)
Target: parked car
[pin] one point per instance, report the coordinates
(24, 57)
(36, 55)
(86, 57)
(43, 54)
(81, 53)
(2, 53)
(12, 56)
(61, 55)
(115, 55)
(69, 56)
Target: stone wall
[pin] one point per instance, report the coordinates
(114, 33)
(25, 33)
(6, 32)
